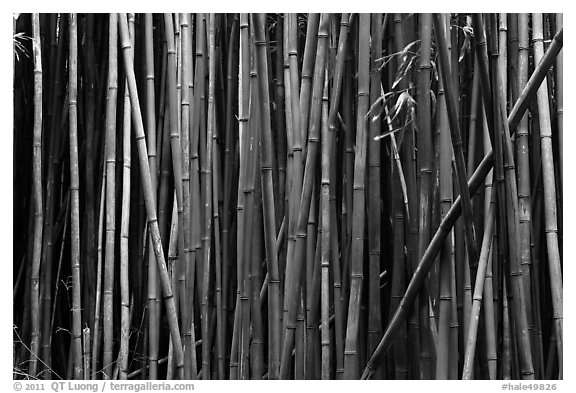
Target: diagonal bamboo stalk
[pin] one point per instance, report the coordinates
(149, 199)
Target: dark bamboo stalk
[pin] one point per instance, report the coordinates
(374, 204)
(268, 196)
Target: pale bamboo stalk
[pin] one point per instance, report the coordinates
(351, 359)
(86, 352)
(110, 194)
(470, 345)
(176, 145)
(149, 200)
(75, 198)
(550, 219)
(325, 155)
(208, 198)
(124, 229)
(37, 199)
(154, 312)
(560, 101)
(189, 251)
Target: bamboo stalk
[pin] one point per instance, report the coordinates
(37, 195)
(110, 194)
(351, 360)
(444, 354)
(425, 149)
(124, 234)
(75, 202)
(154, 316)
(550, 219)
(478, 292)
(326, 146)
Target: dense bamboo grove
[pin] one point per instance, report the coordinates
(287, 196)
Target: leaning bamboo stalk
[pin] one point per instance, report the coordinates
(110, 194)
(37, 195)
(475, 180)
(176, 144)
(75, 198)
(124, 226)
(478, 292)
(548, 176)
(268, 196)
(149, 199)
